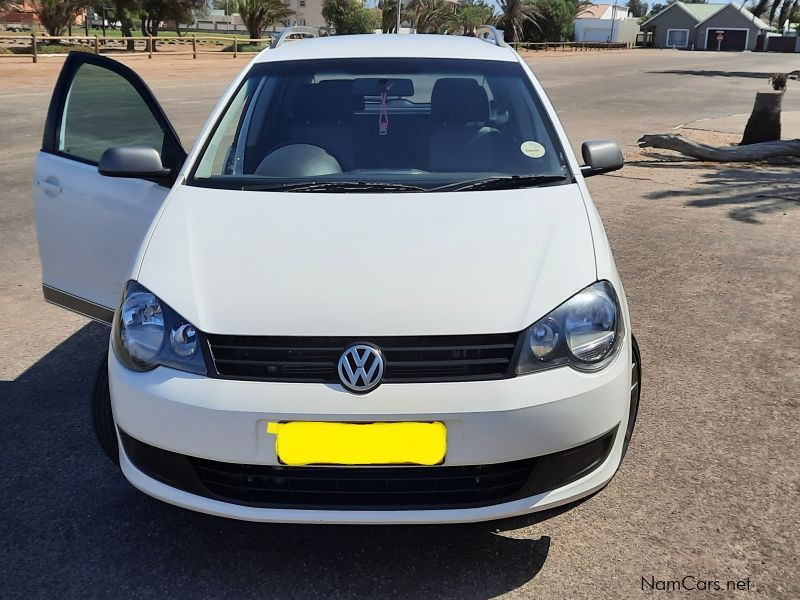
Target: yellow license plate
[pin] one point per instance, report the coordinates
(305, 443)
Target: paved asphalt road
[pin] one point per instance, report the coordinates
(709, 488)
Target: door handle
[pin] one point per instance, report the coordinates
(50, 186)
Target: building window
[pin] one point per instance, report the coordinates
(302, 3)
(677, 38)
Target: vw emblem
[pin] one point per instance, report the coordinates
(361, 368)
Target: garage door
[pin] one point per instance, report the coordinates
(732, 39)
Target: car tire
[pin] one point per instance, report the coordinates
(102, 417)
(636, 392)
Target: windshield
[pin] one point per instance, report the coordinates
(382, 125)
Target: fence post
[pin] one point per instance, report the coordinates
(149, 46)
(33, 47)
(194, 46)
(234, 46)
(96, 44)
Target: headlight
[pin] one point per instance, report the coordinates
(147, 333)
(584, 332)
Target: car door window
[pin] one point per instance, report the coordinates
(92, 119)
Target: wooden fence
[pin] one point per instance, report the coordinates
(37, 45)
(570, 46)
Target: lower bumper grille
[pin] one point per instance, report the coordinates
(368, 488)
(361, 487)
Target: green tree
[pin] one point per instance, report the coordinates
(432, 16)
(388, 10)
(56, 15)
(515, 14)
(257, 15)
(124, 11)
(153, 12)
(556, 20)
(472, 14)
(348, 17)
(637, 8)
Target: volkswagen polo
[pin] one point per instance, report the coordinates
(376, 290)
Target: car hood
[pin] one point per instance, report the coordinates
(266, 263)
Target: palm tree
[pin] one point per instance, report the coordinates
(429, 16)
(56, 15)
(514, 15)
(471, 16)
(388, 10)
(787, 10)
(257, 15)
(780, 9)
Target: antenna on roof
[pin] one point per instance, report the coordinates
(491, 34)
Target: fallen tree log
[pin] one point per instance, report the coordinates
(751, 152)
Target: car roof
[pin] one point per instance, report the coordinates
(389, 46)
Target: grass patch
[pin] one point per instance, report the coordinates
(246, 47)
(114, 33)
(43, 47)
(59, 48)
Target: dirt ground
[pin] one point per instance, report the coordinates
(711, 484)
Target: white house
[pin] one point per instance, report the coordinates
(606, 23)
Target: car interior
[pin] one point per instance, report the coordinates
(321, 125)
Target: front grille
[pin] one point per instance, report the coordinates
(408, 358)
(384, 487)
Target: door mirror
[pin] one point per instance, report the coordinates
(601, 156)
(139, 162)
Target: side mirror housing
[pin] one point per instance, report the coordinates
(600, 156)
(139, 162)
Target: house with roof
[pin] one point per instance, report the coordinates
(605, 23)
(705, 27)
(18, 15)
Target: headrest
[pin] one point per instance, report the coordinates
(330, 100)
(457, 101)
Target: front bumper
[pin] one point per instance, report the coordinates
(488, 423)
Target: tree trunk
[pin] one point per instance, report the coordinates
(150, 28)
(752, 152)
(255, 27)
(764, 124)
(127, 30)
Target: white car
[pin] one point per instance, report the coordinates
(376, 290)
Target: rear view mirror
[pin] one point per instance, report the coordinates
(139, 162)
(600, 156)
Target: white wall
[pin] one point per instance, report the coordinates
(599, 30)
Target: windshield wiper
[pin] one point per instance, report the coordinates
(334, 187)
(504, 182)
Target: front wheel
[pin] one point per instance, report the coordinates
(636, 392)
(102, 417)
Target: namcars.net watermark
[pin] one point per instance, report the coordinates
(693, 583)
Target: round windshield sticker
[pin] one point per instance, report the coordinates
(532, 149)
